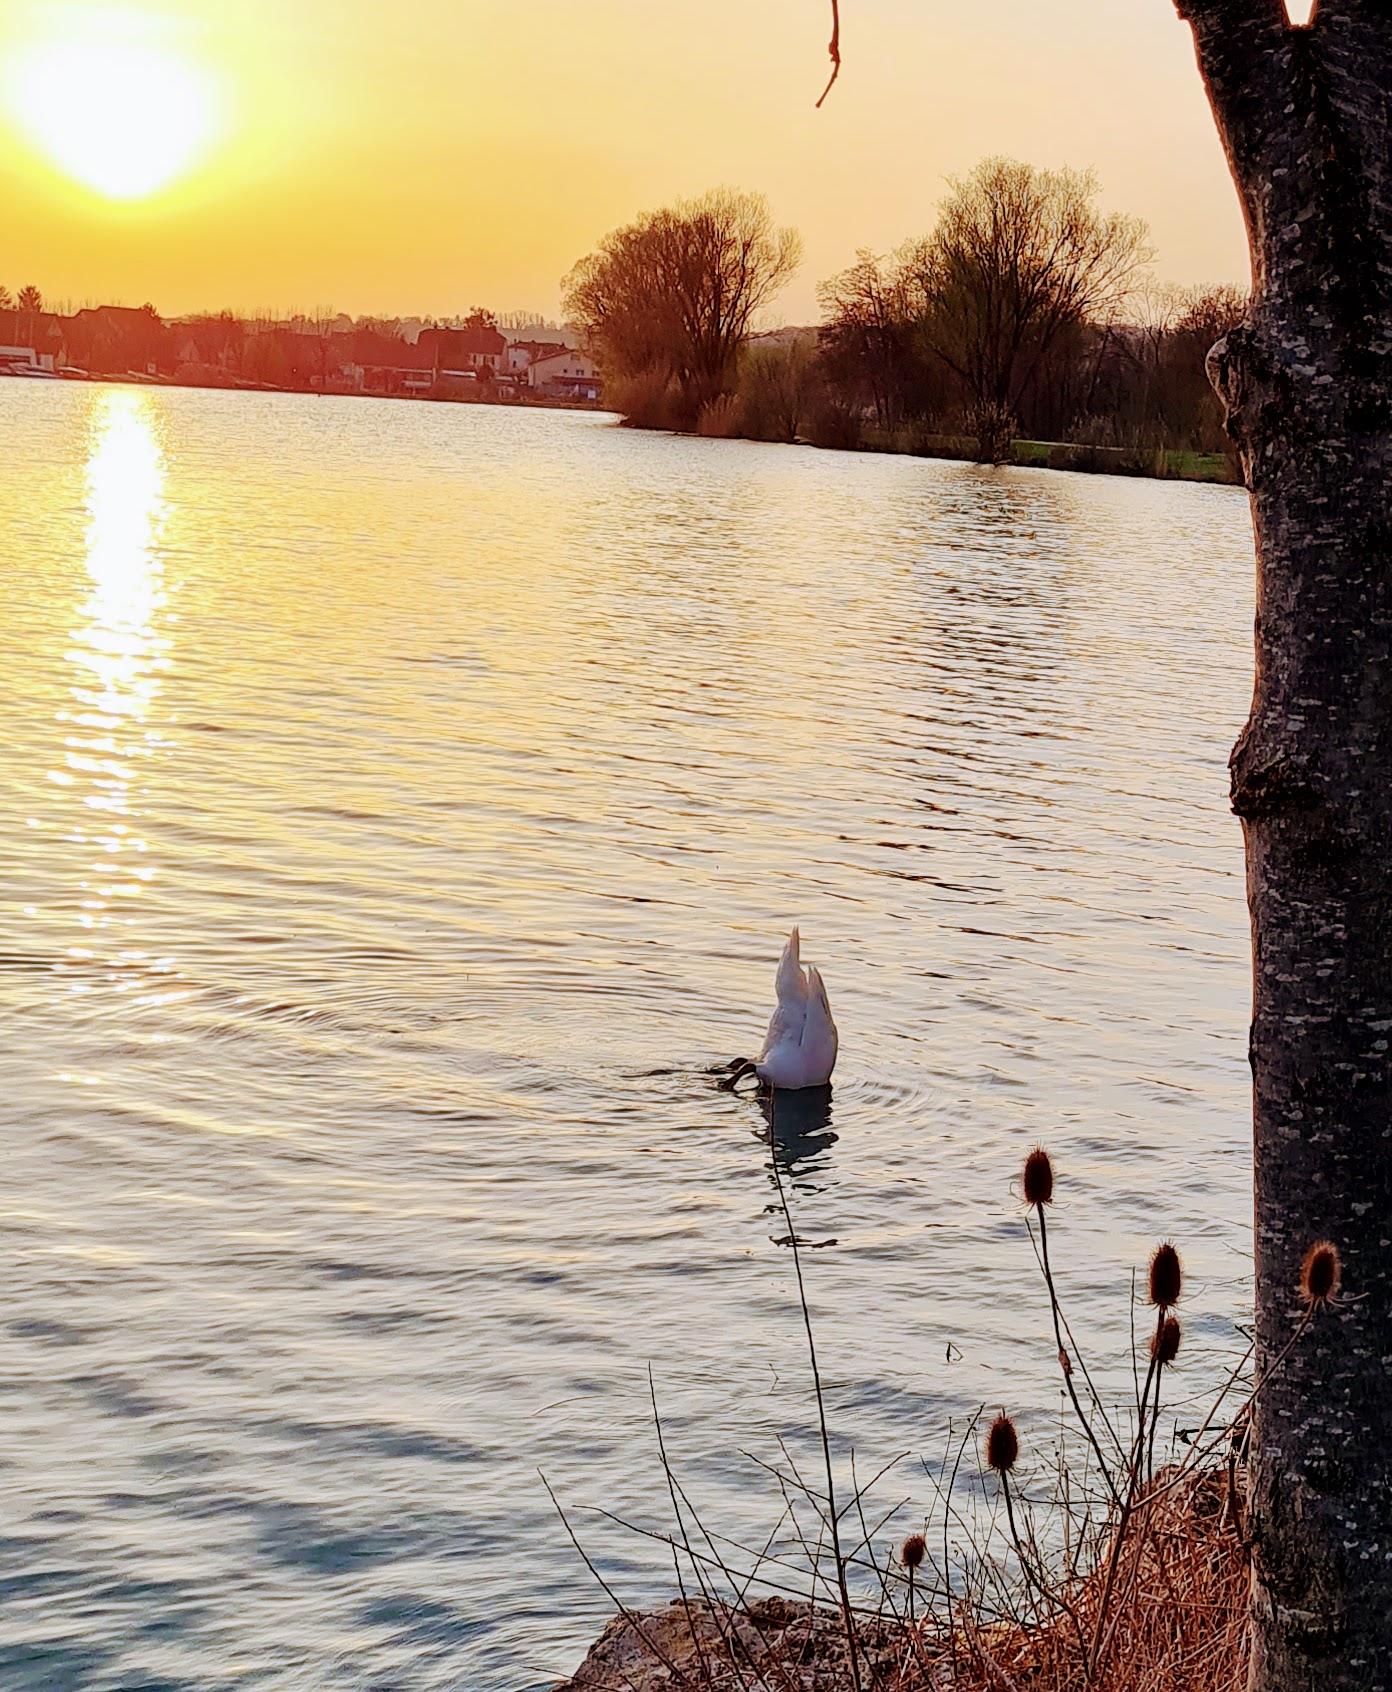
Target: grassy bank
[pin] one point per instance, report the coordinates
(1159, 462)
(749, 416)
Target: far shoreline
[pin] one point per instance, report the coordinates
(1210, 469)
(1138, 463)
(135, 379)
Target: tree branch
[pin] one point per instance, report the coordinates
(1243, 49)
(1239, 45)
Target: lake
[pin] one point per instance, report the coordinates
(404, 806)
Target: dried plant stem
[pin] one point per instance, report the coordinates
(686, 1542)
(1103, 1632)
(1155, 1418)
(947, 1520)
(1196, 1451)
(1037, 1581)
(1066, 1367)
(1032, 1581)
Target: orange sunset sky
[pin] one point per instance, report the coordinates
(431, 155)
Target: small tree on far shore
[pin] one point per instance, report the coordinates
(667, 302)
(869, 336)
(29, 303)
(1019, 257)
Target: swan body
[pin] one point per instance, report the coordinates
(800, 1047)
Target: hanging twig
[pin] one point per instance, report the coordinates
(834, 50)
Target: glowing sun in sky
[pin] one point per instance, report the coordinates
(125, 118)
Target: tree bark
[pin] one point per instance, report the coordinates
(1307, 382)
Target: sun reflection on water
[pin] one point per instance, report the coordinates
(125, 504)
(119, 652)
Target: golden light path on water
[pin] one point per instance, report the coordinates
(118, 655)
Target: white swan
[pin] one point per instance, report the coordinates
(800, 1047)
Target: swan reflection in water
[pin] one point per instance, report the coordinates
(800, 1138)
(800, 1135)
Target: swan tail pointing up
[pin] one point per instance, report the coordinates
(800, 1050)
(791, 982)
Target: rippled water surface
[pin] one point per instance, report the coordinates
(402, 807)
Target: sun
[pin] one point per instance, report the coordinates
(123, 118)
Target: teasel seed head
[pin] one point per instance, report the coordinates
(1320, 1275)
(1164, 1342)
(1039, 1178)
(912, 1552)
(1166, 1277)
(1002, 1445)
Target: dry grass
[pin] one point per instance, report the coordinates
(1175, 1622)
(1139, 1581)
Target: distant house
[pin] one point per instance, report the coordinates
(379, 364)
(24, 361)
(463, 352)
(521, 355)
(567, 374)
(31, 338)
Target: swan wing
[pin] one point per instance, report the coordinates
(819, 1039)
(818, 1005)
(785, 1028)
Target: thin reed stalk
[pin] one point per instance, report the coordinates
(1065, 1363)
(833, 1518)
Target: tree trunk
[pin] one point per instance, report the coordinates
(1308, 386)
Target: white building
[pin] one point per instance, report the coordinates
(566, 373)
(24, 361)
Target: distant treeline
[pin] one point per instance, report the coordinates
(1028, 314)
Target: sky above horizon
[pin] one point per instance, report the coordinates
(366, 157)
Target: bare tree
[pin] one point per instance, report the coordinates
(870, 314)
(673, 295)
(6, 298)
(1163, 350)
(1018, 257)
(1134, 381)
